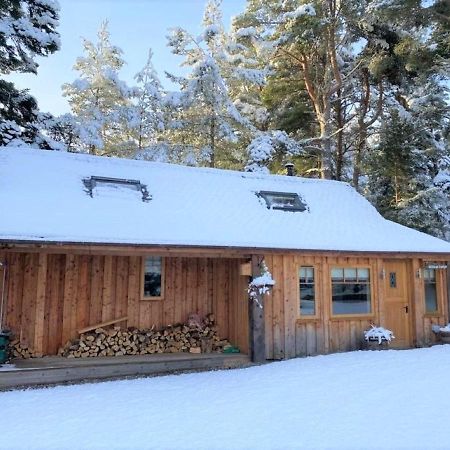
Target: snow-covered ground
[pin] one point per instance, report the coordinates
(359, 400)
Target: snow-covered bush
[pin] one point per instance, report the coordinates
(379, 334)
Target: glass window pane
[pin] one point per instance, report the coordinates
(351, 298)
(350, 274)
(289, 201)
(363, 274)
(431, 297)
(307, 300)
(307, 292)
(337, 274)
(152, 276)
(429, 274)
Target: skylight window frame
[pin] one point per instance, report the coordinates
(299, 204)
(91, 182)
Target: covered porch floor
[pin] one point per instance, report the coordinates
(54, 369)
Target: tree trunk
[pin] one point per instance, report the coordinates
(340, 140)
(327, 148)
(212, 140)
(357, 159)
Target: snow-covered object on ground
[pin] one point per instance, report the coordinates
(45, 200)
(323, 402)
(379, 334)
(445, 329)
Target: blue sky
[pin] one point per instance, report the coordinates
(135, 26)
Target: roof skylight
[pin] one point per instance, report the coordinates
(119, 183)
(284, 201)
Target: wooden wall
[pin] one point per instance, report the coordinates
(51, 296)
(423, 322)
(288, 335)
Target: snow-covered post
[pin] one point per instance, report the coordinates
(261, 283)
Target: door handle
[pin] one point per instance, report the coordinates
(406, 309)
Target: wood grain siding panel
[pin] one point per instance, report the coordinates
(121, 304)
(50, 296)
(134, 290)
(83, 292)
(54, 299)
(29, 299)
(108, 288)
(15, 275)
(290, 304)
(69, 299)
(39, 334)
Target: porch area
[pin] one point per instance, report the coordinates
(54, 369)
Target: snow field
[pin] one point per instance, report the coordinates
(358, 400)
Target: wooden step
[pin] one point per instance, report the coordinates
(55, 370)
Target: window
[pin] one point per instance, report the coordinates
(95, 183)
(350, 291)
(431, 301)
(307, 291)
(152, 277)
(284, 201)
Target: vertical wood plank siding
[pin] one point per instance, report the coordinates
(288, 335)
(50, 296)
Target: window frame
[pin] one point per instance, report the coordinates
(371, 314)
(142, 279)
(316, 314)
(91, 182)
(439, 296)
(299, 204)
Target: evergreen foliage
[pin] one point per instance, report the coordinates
(149, 120)
(100, 100)
(27, 30)
(204, 119)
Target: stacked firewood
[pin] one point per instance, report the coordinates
(194, 337)
(18, 350)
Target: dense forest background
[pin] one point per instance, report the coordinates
(353, 90)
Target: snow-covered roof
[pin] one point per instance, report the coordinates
(43, 199)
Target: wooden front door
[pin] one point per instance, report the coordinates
(397, 307)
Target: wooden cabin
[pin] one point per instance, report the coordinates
(86, 239)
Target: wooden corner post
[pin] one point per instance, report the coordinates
(448, 292)
(256, 318)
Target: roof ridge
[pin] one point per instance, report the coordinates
(173, 166)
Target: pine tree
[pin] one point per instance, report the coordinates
(203, 115)
(349, 58)
(402, 174)
(27, 30)
(100, 101)
(149, 112)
